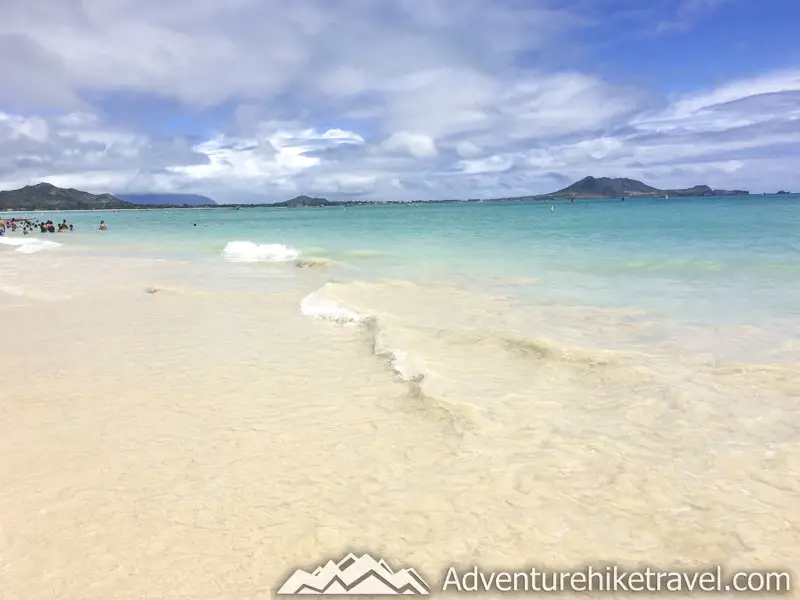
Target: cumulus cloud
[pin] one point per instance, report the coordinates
(416, 145)
(389, 99)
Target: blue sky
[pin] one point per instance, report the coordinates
(261, 100)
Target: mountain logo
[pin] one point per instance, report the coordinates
(354, 575)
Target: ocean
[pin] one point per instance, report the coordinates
(196, 402)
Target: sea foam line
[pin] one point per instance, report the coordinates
(316, 306)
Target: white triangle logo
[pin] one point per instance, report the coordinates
(355, 575)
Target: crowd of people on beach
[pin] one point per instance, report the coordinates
(30, 225)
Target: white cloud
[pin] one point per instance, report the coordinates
(492, 164)
(417, 145)
(716, 109)
(467, 149)
(347, 183)
(98, 181)
(16, 127)
(391, 98)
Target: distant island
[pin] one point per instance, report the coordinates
(608, 187)
(167, 199)
(303, 201)
(45, 196)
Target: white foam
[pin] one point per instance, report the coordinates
(317, 307)
(399, 360)
(29, 245)
(245, 251)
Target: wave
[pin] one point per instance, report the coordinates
(246, 251)
(397, 359)
(456, 360)
(29, 245)
(458, 363)
(317, 306)
(429, 388)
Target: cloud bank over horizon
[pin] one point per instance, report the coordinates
(261, 100)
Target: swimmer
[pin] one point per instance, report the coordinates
(103, 226)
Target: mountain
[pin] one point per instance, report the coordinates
(606, 186)
(304, 201)
(615, 187)
(45, 196)
(355, 575)
(167, 199)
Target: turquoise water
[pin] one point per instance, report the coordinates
(712, 261)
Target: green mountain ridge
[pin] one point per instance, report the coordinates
(46, 196)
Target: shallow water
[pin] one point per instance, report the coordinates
(447, 384)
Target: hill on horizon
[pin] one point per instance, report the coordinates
(304, 201)
(168, 199)
(608, 186)
(46, 196)
(611, 187)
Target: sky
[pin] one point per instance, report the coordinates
(263, 100)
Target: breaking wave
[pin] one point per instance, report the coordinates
(246, 251)
(29, 245)
(405, 365)
(317, 306)
(448, 370)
